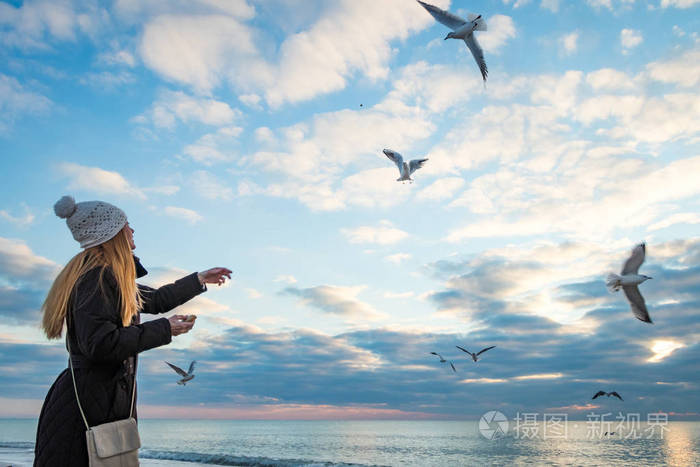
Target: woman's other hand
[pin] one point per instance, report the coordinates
(214, 276)
(178, 325)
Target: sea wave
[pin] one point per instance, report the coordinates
(16, 445)
(239, 461)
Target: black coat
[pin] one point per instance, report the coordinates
(104, 355)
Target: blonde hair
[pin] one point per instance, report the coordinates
(114, 254)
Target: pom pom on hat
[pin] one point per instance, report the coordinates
(65, 207)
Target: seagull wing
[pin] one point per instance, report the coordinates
(616, 395)
(478, 54)
(484, 350)
(395, 157)
(632, 264)
(445, 17)
(598, 394)
(435, 353)
(177, 369)
(415, 164)
(464, 350)
(453, 367)
(189, 372)
(639, 308)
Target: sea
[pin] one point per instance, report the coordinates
(183, 443)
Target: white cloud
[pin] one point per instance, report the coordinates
(18, 261)
(16, 100)
(210, 187)
(289, 279)
(117, 57)
(600, 3)
(251, 100)
(630, 38)
(384, 234)
(172, 106)
(205, 48)
(441, 189)
(580, 202)
(198, 50)
(398, 258)
(679, 3)
(350, 36)
(569, 42)
(551, 5)
(188, 215)
(516, 3)
(253, 293)
(683, 70)
(33, 24)
(207, 149)
(336, 300)
(98, 180)
(501, 28)
(107, 79)
(19, 221)
(609, 79)
(678, 218)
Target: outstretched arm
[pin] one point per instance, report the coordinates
(167, 297)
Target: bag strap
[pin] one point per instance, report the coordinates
(75, 387)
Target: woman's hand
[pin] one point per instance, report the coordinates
(214, 276)
(178, 325)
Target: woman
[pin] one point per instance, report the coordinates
(97, 298)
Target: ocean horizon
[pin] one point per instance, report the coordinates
(370, 443)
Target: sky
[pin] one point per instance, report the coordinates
(249, 134)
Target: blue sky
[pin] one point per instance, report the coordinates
(248, 134)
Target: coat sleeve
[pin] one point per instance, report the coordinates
(169, 296)
(97, 323)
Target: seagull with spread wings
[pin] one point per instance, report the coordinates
(475, 355)
(603, 393)
(462, 29)
(405, 169)
(186, 375)
(628, 280)
(442, 360)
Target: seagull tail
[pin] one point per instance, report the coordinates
(613, 282)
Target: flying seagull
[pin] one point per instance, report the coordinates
(628, 280)
(464, 30)
(442, 360)
(186, 375)
(603, 393)
(405, 170)
(475, 355)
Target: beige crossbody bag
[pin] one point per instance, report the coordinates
(113, 444)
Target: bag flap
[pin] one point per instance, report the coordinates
(116, 437)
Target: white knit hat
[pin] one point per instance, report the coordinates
(90, 222)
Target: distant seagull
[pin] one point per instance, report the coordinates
(628, 281)
(603, 393)
(464, 30)
(442, 360)
(475, 355)
(186, 375)
(405, 170)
